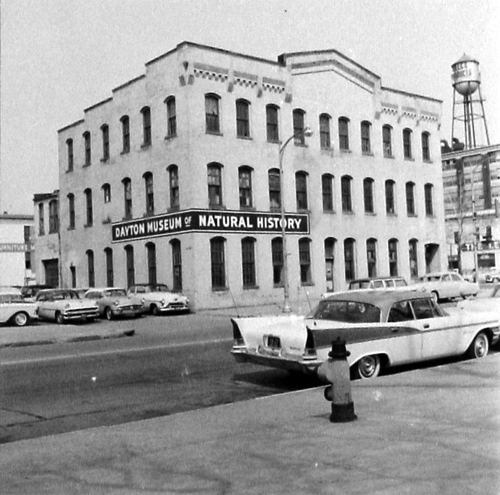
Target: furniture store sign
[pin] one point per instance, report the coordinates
(224, 222)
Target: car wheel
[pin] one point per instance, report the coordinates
(20, 319)
(59, 318)
(480, 346)
(368, 367)
(155, 310)
(109, 314)
(435, 296)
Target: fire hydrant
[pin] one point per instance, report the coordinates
(336, 370)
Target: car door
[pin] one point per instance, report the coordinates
(439, 331)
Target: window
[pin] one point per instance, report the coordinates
(127, 196)
(368, 195)
(41, 219)
(412, 249)
(390, 207)
(329, 263)
(371, 257)
(125, 133)
(53, 216)
(71, 211)
(105, 142)
(89, 214)
(324, 131)
(366, 146)
(173, 178)
(349, 259)
(429, 207)
(214, 172)
(393, 257)
(176, 265)
(410, 199)
(27, 241)
(151, 257)
(70, 155)
(327, 192)
(87, 147)
(346, 183)
(407, 144)
(299, 127)
(248, 262)
(245, 186)
(305, 261)
(90, 268)
(344, 133)
(150, 196)
(108, 255)
(146, 126)
(277, 257)
(242, 118)
(272, 124)
(217, 245)
(106, 191)
(171, 117)
(274, 189)
(129, 253)
(426, 150)
(212, 114)
(387, 140)
(301, 190)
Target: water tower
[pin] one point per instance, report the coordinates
(466, 80)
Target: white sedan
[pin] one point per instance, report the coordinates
(380, 328)
(16, 310)
(447, 285)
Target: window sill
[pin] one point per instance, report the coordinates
(70, 171)
(274, 141)
(127, 218)
(124, 152)
(368, 153)
(220, 289)
(307, 284)
(390, 157)
(106, 221)
(145, 146)
(173, 209)
(351, 212)
(409, 159)
(247, 208)
(148, 214)
(86, 165)
(391, 214)
(345, 151)
(69, 229)
(251, 287)
(329, 212)
(370, 213)
(212, 133)
(217, 207)
(301, 145)
(412, 215)
(88, 225)
(245, 138)
(170, 137)
(278, 286)
(428, 161)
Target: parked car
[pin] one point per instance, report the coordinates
(447, 285)
(62, 305)
(157, 299)
(14, 309)
(114, 302)
(491, 303)
(377, 283)
(492, 276)
(381, 329)
(30, 291)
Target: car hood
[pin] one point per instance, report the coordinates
(167, 296)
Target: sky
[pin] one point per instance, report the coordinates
(58, 57)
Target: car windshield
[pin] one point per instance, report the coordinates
(347, 312)
(158, 288)
(11, 298)
(401, 282)
(115, 293)
(59, 296)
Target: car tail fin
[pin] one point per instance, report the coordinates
(310, 347)
(238, 339)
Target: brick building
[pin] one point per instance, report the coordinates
(176, 178)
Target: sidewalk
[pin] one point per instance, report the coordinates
(431, 431)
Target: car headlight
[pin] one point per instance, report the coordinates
(66, 306)
(162, 302)
(116, 303)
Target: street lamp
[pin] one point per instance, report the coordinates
(306, 132)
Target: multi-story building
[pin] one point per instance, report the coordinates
(176, 178)
(15, 249)
(472, 207)
(46, 238)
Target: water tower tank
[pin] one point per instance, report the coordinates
(466, 77)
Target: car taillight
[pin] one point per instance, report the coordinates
(238, 339)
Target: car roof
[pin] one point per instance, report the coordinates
(378, 297)
(368, 279)
(105, 288)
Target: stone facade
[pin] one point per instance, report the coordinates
(173, 178)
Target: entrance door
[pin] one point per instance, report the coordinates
(51, 272)
(432, 258)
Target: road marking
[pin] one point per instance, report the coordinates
(116, 351)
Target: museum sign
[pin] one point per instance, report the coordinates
(224, 222)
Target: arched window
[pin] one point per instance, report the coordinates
(324, 131)
(299, 127)
(173, 181)
(329, 263)
(53, 216)
(245, 186)
(407, 151)
(87, 148)
(368, 195)
(171, 116)
(212, 117)
(150, 195)
(214, 175)
(305, 261)
(349, 265)
(344, 133)
(70, 155)
(327, 192)
(146, 126)
(151, 257)
(105, 142)
(272, 123)
(129, 253)
(89, 215)
(346, 186)
(127, 197)
(387, 140)
(429, 206)
(218, 263)
(366, 145)
(277, 257)
(413, 255)
(108, 256)
(125, 121)
(426, 149)
(393, 257)
(371, 257)
(90, 268)
(390, 198)
(176, 265)
(71, 211)
(274, 189)
(410, 199)
(242, 118)
(248, 262)
(106, 192)
(301, 190)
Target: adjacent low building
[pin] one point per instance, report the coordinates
(175, 178)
